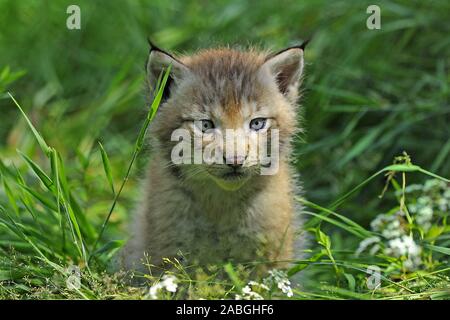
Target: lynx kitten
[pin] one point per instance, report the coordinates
(225, 210)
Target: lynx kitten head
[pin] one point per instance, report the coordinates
(238, 104)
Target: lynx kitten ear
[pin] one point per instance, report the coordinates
(287, 67)
(158, 61)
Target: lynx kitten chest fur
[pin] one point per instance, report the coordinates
(227, 210)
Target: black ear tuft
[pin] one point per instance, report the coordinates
(157, 62)
(300, 46)
(303, 45)
(153, 46)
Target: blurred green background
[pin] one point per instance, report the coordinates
(368, 94)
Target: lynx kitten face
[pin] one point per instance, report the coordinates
(232, 97)
(220, 206)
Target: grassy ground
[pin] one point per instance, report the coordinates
(369, 95)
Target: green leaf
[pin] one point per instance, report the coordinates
(139, 142)
(153, 109)
(109, 248)
(107, 167)
(394, 167)
(324, 217)
(10, 196)
(439, 249)
(351, 281)
(350, 225)
(296, 269)
(323, 239)
(45, 201)
(233, 275)
(43, 177)
(61, 195)
(45, 148)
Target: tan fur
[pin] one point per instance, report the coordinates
(182, 208)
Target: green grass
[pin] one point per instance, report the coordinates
(72, 154)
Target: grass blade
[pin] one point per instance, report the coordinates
(45, 148)
(43, 177)
(439, 249)
(140, 141)
(394, 167)
(107, 167)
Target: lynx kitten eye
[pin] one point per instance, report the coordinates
(205, 125)
(258, 124)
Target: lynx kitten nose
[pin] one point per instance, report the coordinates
(234, 161)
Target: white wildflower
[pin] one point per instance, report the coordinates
(424, 217)
(412, 262)
(279, 278)
(447, 193)
(424, 201)
(246, 290)
(413, 208)
(168, 283)
(248, 294)
(260, 285)
(412, 188)
(443, 204)
(285, 287)
(154, 290)
(405, 247)
(426, 205)
(388, 225)
(425, 212)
